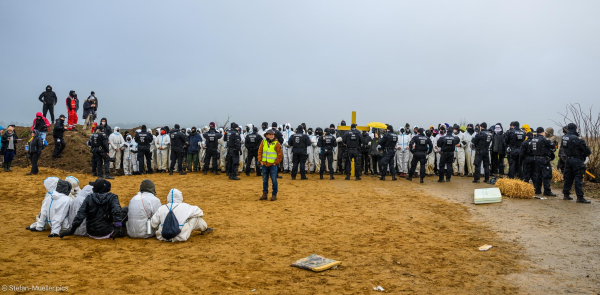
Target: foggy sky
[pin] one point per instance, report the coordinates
(192, 62)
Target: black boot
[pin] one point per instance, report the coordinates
(394, 178)
(441, 180)
(409, 178)
(321, 175)
(108, 176)
(182, 172)
(170, 171)
(331, 177)
(422, 180)
(205, 172)
(581, 199)
(358, 178)
(549, 194)
(233, 177)
(382, 177)
(347, 177)
(476, 181)
(567, 197)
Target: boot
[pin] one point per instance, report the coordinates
(273, 198)
(422, 180)
(567, 197)
(476, 181)
(94, 174)
(382, 177)
(331, 177)
(581, 199)
(394, 178)
(170, 171)
(109, 177)
(8, 166)
(263, 197)
(321, 176)
(5, 166)
(549, 194)
(441, 180)
(217, 172)
(182, 173)
(347, 177)
(358, 178)
(233, 177)
(303, 178)
(409, 178)
(205, 172)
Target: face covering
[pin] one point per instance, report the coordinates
(287, 127)
(309, 132)
(103, 123)
(455, 132)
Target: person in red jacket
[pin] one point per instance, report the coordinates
(41, 124)
(72, 107)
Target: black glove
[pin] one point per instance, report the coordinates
(117, 232)
(65, 232)
(53, 236)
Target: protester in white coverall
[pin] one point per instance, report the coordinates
(129, 156)
(55, 208)
(163, 143)
(222, 150)
(50, 185)
(429, 166)
(313, 158)
(469, 153)
(287, 148)
(115, 145)
(188, 216)
(402, 152)
(459, 152)
(141, 209)
(154, 150)
(74, 186)
(74, 207)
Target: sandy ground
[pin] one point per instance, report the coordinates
(391, 234)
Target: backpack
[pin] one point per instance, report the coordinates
(170, 227)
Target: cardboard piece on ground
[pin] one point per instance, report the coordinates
(487, 195)
(485, 247)
(316, 263)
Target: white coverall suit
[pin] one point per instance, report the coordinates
(469, 153)
(188, 216)
(286, 148)
(55, 209)
(313, 154)
(434, 140)
(130, 163)
(430, 161)
(163, 144)
(115, 143)
(402, 153)
(76, 204)
(141, 209)
(459, 155)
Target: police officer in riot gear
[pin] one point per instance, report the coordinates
(178, 142)
(388, 144)
(576, 151)
(300, 143)
(252, 143)
(342, 152)
(212, 149)
(447, 144)
(327, 143)
(420, 146)
(542, 151)
(234, 149)
(364, 150)
(514, 137)
(527, 158)
(99, 145)
(352, 141)
(481, 143)
(144, 139)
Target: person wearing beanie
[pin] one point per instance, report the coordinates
(234, 150)
(498, 150)
(177, 140)
(211, 139)
(420, 146)
(299, 143)
(353, 141)
(388, 144)
(102, 213)
(100, 153)
(446, 146)
(481, 143)
(140, 211)
(144, 139)
(49, 99)
(58, 134)
(541, 149)
(577, 153)
(90, 106)
(514, 139)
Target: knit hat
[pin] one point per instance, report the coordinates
(148, 186)
(539, 130)
(211, 124)
(101, 185)
(274, 124)
(463, 128)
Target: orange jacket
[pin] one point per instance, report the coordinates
(277, 149)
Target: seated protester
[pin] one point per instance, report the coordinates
(75, 205)
(74, 182)
(188, 218)
(50, 185)
(101, 211)
(141, 209)
(55, 214)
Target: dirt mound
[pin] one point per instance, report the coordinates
(76, 155)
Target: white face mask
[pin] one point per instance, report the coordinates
(103, 123)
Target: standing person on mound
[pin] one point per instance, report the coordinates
(269, 155)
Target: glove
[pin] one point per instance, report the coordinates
(464, 142)
(472, 146)
(118, 230)
(53, 236)
(587, 160)
(65, 232)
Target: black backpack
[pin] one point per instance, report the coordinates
(170, 227)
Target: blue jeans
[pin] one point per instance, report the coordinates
(272, 172)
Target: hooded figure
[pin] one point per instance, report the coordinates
(130, 156)
(115, 145)
(41, 124)
(107, 129)
(101, 211)
(34, 150)
(49, 99)
(90, 107)
(74, 207)
(287, 148)
(188, 216)
(74, 182)
(72, 108)
(141, 209)
(55, 207)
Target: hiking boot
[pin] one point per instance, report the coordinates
(358, 178)
(233, 177)
(274, 198)
(567, 197)
(441, 180)
(538, 192)
(263, 197)
(347, 177)
(549, 194)
(475, 181)
(109, 177)
(331, 177)
(206, 231)
(182, 173)
(409, 178)
(581, 199)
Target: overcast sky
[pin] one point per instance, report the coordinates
(192, 62)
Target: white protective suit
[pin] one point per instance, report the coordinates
(55, 209)
(403, 152)
(222, 151)
(163, 144)
(74, 186)
(154, 151)
(50, 185)
(74, 207)
(115, 143)
(130, 156)
(469, 153)
(436, 149)
(188, 216)
(141, 209)
(286, 148)
(459, 155)
(314, 163)
(430, 160)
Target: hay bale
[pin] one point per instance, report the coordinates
(514, 188)
(557, 176)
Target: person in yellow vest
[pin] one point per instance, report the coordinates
(269, 155)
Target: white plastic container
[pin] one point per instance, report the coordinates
(487, 195)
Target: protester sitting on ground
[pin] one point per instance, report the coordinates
(50, 185)
(9, 147)
(188, 218)
(55, 208)
(141, 209)
(74, 182)
(102, 213)
(75, 205)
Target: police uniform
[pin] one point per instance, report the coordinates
(327, 144)
(353, 142)
(99, 145)
(528, 159)
(388, 143)
(252, 143)
(514, 138)
(447, 145)
(420, 146)
(212, 150)
(541, 148)
(576, 150)
(144, 139)
(299, 143)
(233, 152)
(482, 142)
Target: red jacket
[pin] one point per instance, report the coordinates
(39, 114)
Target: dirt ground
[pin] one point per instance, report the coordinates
(397, 235)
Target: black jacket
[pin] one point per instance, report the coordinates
(300, 143)
(253, 141)
(5, 142)
(48, 97)
(107, 130)
(99, 211)
(278, 136)
(99, 142)
(448, 143)
(572, 145)
(366, 148)
(326, 142)
(482, 141)
(87, 106)
(388, 141)
(36, 145)
(499, 143)
(59, 128)
(234, 141)
(352, 139)
(420, 144)
(178, 140)
(212, 139)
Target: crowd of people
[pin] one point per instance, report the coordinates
(96, 212)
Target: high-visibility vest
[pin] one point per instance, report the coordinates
(269, 154)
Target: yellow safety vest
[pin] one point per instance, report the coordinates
(269, 154)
